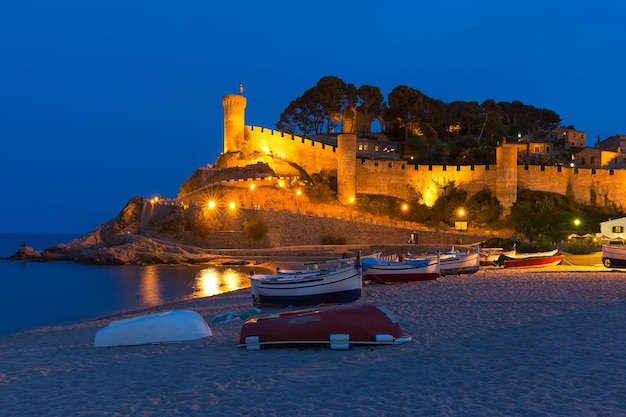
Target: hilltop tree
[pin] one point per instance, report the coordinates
(371, 106)
(405, 105)
(304, 115)
(320, 109)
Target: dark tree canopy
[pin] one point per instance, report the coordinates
(428, 129)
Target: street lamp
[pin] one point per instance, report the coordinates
(351, 202)
(460, 223)
(252, 194)
(405, 209)
(298, 193)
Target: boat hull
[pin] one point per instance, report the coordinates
(341, 326)
(341, 285)
(462, 263)
(390, 272)
(165, 327)
(517, 255)
(613, 257)
(534, 262)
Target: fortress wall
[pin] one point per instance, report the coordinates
(311, 155)
(397, 178)
(286, 229)
(605, 186)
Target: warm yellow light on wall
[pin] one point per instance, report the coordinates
(266, 150)
(351, 200)
(429, 196)
(252, 186)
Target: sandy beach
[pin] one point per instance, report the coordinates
(496, 343)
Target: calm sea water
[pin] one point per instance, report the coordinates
(38, 294)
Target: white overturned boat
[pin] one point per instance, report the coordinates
(165, 327)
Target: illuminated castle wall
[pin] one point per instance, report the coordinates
(399, 179)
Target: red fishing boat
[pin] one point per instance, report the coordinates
(533, 262)
(338, 327)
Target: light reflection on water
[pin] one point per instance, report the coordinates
(212, 281)
(37, 294)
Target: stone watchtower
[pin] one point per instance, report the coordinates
(346, 167)
(506, 177)
(234, 119)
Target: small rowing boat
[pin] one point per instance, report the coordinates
(338, 327)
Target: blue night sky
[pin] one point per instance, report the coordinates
(101, 101)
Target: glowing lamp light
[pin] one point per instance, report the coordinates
(461, 212)
(298, 192)
(405, 207)
(211, 204)
(232, 205)
(252, 186)
(351, 200)
(576, 222)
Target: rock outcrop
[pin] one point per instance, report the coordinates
(117, 242)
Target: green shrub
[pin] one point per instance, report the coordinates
(255, 227)
(329, 239)
(543, 243)
(578, 247)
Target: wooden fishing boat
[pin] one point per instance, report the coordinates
(521, 255)
(533, 262)
(341, 284)
(614, 256)
(489, 256)
(455, 263)
(164, 327)
(384, 272)
(338, 327)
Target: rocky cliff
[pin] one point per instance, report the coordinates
(118, 242)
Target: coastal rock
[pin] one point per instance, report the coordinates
(117, 242)
(26, 253)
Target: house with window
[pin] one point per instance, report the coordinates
(614, 229)
(568, 138)
(600, 159)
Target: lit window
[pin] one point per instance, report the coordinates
(618, 229)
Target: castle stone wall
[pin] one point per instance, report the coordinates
(589, 186)
(402, 180)
(311, 155)
(286, 229)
